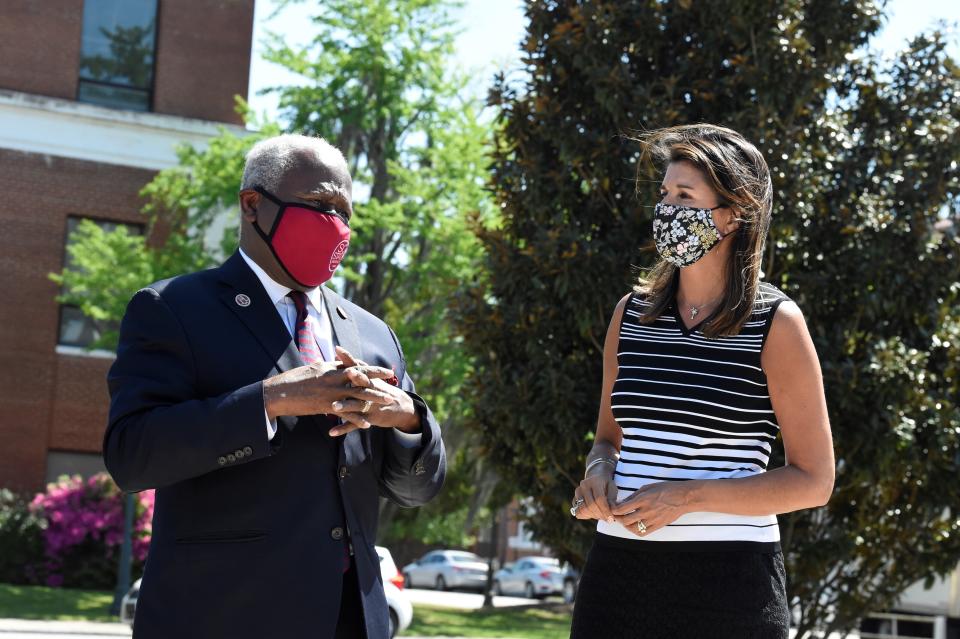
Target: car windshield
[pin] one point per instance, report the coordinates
(463, 556)
(547, 561)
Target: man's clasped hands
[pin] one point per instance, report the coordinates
(348, 388)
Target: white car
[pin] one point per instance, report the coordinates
(398, 604)
(534, 577)
(443, 569)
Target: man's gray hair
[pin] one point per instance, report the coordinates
(268, 160)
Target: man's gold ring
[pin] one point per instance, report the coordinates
(366, 407)
(641, 527)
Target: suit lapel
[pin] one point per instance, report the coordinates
(244, 295)
(345, 332)
(345, 335)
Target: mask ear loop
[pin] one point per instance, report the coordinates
(719, 233)
(268, 238)
(281, 207)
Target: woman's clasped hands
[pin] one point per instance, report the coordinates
(644, 511)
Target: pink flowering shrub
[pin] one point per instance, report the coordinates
(83, 531)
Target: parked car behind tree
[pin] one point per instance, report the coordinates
(443, 569)
(534, 577)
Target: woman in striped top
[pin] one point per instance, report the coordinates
(704, 366)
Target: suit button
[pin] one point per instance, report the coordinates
(238, 454)
(343, 472)
(231, 458)
(337, 533)
(221, 460)
(247, 451)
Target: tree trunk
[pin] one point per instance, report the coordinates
(491, 558)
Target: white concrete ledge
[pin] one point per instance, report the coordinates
(80, 351)
(65, 128)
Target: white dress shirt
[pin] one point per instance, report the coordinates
(322, 331)
(316, 309)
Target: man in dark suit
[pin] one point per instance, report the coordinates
(269, 413)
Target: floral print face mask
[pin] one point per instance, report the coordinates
(684, 234)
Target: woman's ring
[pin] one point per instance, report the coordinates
(641, 527)
(576, 506)
(366, 407)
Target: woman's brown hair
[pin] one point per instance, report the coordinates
(738, 173)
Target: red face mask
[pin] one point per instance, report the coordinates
(308, 241)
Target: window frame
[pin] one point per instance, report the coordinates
(149, 90)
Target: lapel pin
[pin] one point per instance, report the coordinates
(242, 300)
(342, 313)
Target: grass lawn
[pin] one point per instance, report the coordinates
(63, 604)
(519, 623)
(67, 604)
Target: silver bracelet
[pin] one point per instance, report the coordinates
(599, 460)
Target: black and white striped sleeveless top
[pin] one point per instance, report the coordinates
(693, 407)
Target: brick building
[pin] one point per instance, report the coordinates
(514, 540)
(94, 97)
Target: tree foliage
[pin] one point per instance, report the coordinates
(864, 156)
(378, 84)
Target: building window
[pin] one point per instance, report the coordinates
(117, 53)
(60, 463)
(76, 329)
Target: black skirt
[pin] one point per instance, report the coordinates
(631, 590)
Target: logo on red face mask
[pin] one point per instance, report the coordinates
(338, 254)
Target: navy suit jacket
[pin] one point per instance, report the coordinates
(249, 533)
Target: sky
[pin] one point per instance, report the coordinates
(492, 30)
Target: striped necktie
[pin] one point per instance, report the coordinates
(303, 332)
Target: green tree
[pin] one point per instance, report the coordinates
(864, 157)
